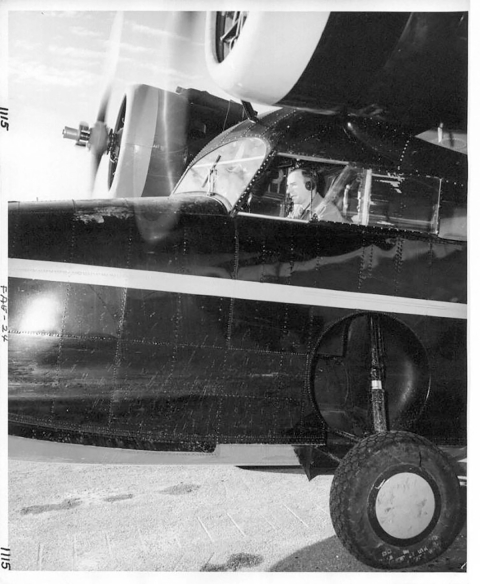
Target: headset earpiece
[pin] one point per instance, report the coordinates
(309, 185)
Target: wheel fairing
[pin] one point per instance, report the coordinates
(341, 383)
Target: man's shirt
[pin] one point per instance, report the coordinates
(318, 210)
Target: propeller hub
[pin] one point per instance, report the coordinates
(80, 135)
(98, 140)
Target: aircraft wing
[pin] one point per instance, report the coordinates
(406, 67)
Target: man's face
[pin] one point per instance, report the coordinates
(296, 189)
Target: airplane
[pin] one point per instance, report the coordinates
(210, 323)
(148, 151)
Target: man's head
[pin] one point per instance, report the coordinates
(301, 186)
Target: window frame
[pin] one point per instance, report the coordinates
(428, 228)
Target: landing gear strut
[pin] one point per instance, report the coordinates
(395, 500)
(377, 374)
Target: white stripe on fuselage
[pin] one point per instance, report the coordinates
(229, 288)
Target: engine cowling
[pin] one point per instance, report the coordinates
(157, 133)
(251, 64)
(409, 66)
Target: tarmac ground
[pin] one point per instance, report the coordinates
(76, 517)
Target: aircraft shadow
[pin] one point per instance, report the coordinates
(329, 555)
(275, 469)
(289, 470)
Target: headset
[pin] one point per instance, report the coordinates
(310, 179)
(309, 176)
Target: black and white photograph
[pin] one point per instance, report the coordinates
(236, 292)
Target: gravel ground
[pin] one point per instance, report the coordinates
(73, 517)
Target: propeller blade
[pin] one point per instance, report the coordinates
(98, 140)
(111, 62)
(97, 144)
(94, 164)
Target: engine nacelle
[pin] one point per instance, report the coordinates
(410, 66)
(263, 59)
(158, 133)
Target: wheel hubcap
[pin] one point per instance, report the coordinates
(405, 505)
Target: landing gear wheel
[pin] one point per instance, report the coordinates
(395, 501)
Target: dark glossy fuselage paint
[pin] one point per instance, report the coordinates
(226, 327)
(147, 366)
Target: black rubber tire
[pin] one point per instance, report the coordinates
(396, 459)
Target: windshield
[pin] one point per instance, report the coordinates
(226, 171)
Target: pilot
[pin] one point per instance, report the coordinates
(308, 204)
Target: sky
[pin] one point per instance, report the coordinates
(56, 78)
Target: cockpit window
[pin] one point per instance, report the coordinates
(226, 171)
(387, 200)
(348, 194)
